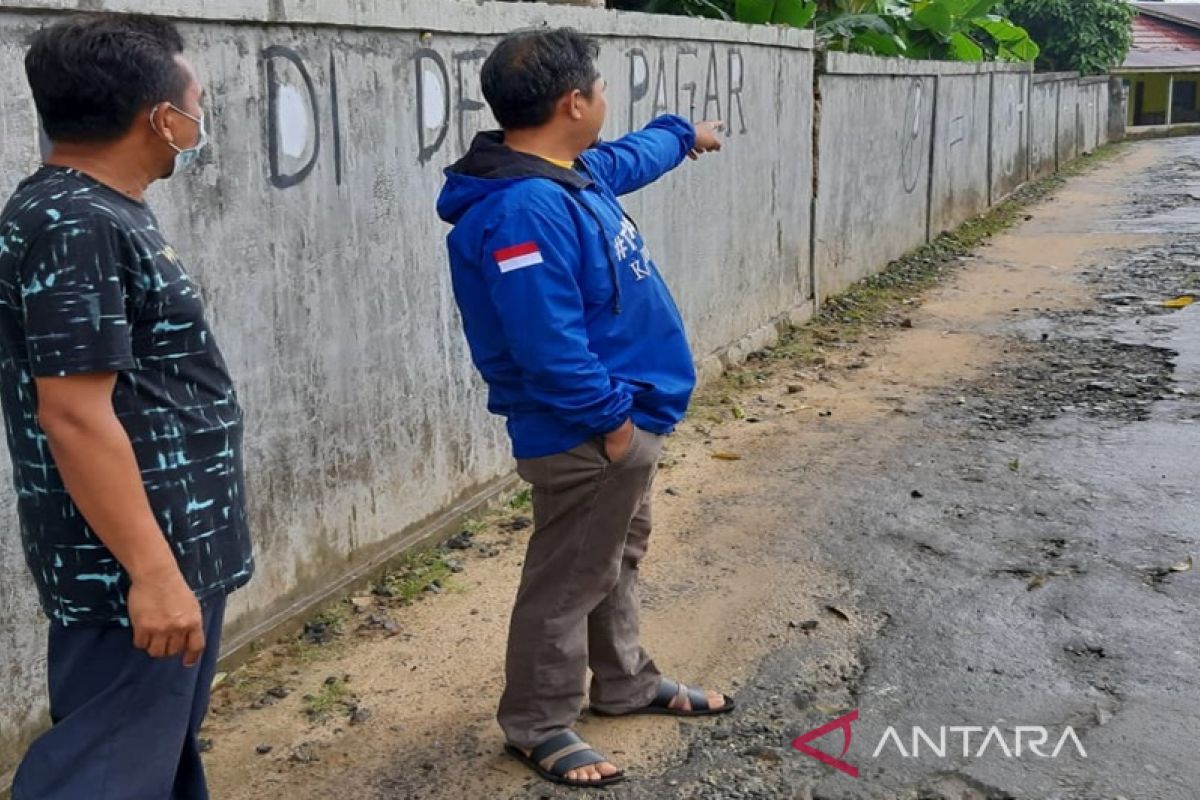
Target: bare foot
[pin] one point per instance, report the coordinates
(587, 773)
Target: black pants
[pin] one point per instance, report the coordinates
(125, 724)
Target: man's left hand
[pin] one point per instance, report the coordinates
(706, 138)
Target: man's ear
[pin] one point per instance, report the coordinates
(159, 121)
(574, 100)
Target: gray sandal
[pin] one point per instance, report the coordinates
(555, 757)
(669, 691)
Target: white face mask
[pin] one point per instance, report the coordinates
(185, 157)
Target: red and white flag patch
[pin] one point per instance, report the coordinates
(518, 256)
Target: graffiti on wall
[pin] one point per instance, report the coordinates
(303, 125)
(914, 136)
(293, 124)
(669, 82)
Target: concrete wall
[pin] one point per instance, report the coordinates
(1043, 125)
(1010, 149)
(873, 174)
(1103, 113)
(901, 141)
(1093, 110)
(1118, 103)
(1068, 121)
(1069, 116)
(923, 140)
(959, 180)
(310, 225)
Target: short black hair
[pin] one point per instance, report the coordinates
(92, 74)
(529, 71)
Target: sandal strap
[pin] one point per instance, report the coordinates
(565, 752)
(554, 744)
(698, 699)
(582, 758)
(671, 692)
(681, 695)
(667, 690)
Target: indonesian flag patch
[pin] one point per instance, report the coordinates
(519, 256)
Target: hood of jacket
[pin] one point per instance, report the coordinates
(489, 165)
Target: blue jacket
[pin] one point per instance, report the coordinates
(567, 317)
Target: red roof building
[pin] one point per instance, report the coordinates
(1163, 65)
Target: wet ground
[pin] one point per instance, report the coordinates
(981, 519)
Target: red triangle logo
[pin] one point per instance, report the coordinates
(801, 743)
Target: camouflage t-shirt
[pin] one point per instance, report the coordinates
(88, 285)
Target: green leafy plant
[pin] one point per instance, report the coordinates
(797, 13)
(522, 500)
(332, 695)
(1087, 36)
(955, 30)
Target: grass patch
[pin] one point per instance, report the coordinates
(522, 500)
(330, 619)
(306, 652)
(332, 696)
(475, 525)
(413, 575)
(246, 684)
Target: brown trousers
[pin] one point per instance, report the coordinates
(577, 606)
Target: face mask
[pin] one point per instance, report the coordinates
(185, 157)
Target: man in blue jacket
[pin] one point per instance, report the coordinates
(585, 354)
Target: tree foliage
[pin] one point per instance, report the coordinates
(1087, 36)
(955, 30)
